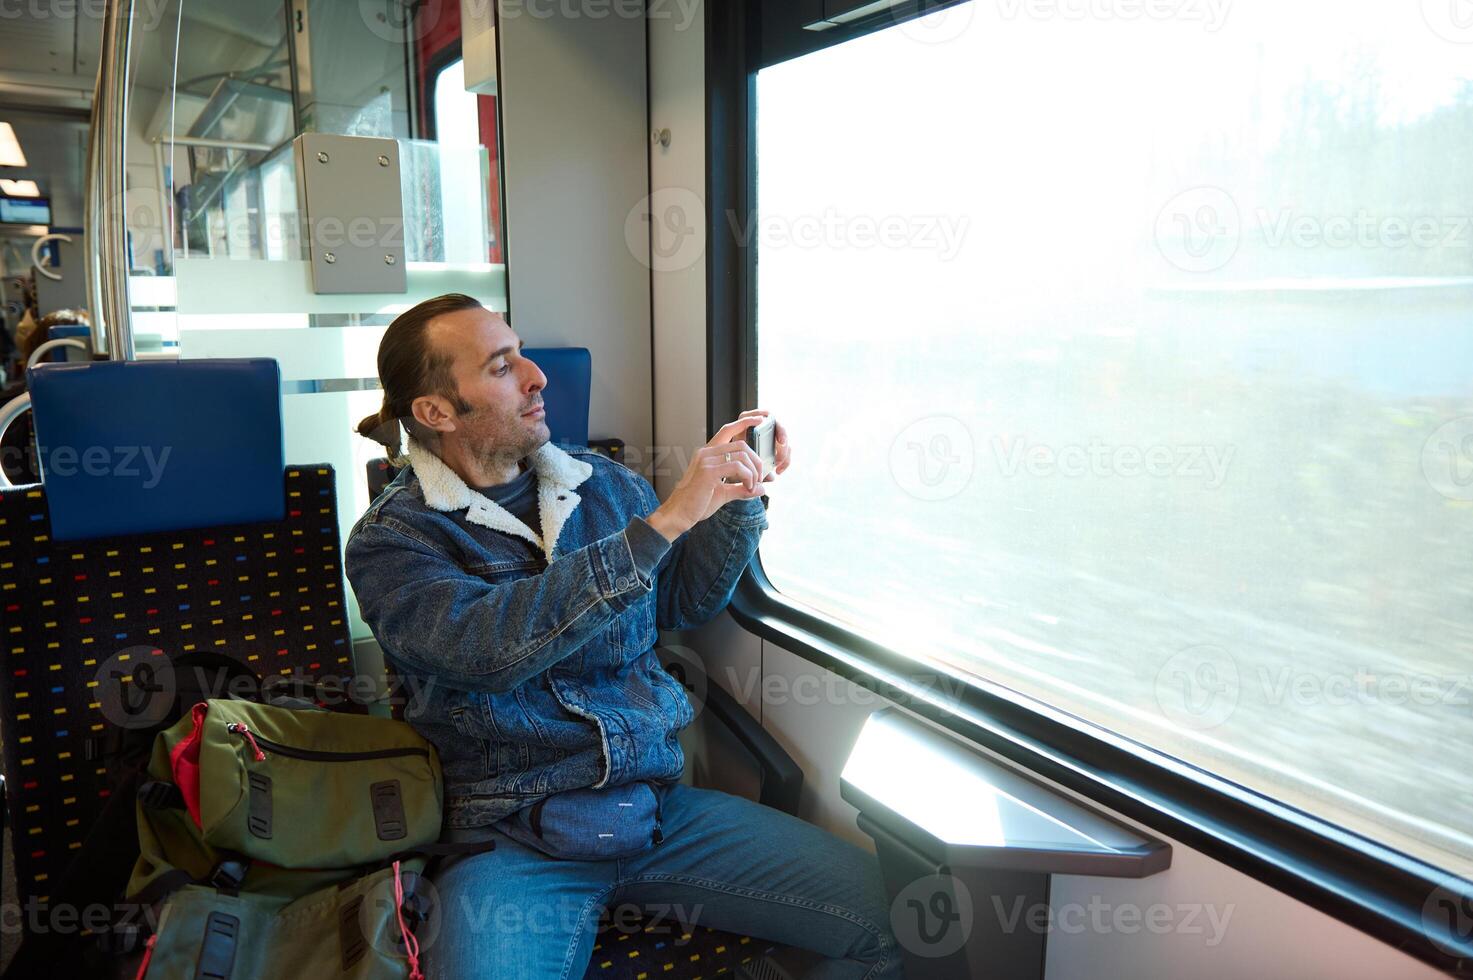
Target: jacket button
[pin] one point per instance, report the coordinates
(624, 582)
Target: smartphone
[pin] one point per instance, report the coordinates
(763, 440)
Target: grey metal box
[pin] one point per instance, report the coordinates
(352, 212)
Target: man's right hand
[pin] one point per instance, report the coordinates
(702, 491)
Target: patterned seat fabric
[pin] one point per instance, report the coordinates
(656, 949)
(269, 594)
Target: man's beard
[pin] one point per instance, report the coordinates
(500, 442)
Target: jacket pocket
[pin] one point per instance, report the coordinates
(639, 635)
(473, 722)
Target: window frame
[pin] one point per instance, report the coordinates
(1360, 882)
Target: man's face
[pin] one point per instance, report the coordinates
(503, 390)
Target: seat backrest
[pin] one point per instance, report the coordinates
(569, 372)
(142, 446)
(251, 570)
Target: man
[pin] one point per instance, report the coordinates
(518, 587)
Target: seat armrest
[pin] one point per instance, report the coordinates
(781, 778)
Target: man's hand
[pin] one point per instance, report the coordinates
(702, 491)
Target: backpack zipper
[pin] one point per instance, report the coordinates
(276, 748)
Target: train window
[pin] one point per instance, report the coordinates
(1127, 348)
(457, 113)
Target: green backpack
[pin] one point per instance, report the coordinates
(285, 843)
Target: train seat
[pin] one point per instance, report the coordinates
(167, 522)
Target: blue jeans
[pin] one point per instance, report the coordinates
(726, 862)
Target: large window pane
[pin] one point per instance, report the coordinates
(1128, 348)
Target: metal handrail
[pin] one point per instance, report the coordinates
(9, 412)
(52, 345)
(92, 254)
(36, 254)
(18, 405)
(109, 181)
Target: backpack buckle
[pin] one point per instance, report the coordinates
(416, 906)
(416, 909)
(159, 795)
(228, 876)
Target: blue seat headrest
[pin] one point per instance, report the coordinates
(141, 446)
(569, 373)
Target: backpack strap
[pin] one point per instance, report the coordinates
(156, 794)
(442, 850)
(162, 887)
(225, 877)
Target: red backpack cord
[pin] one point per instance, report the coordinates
(147, 955)
(411, 945)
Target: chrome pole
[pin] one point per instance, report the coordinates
(110, 110)
(91, 224)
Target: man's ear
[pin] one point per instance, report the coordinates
(433, 412)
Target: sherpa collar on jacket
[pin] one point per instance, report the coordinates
(558, 474)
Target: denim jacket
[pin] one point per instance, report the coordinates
(530, 657)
